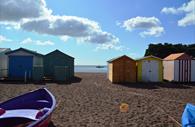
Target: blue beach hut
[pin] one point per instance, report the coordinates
(21, 62)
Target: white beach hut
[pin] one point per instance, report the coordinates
(179, 67)
(3, 62)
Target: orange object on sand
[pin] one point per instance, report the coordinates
(124, 107)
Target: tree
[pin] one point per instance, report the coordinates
(163, 50)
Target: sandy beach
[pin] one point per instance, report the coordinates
(92, 101)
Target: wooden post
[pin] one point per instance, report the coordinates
(25, 76)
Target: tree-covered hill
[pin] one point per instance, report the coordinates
(163, 50)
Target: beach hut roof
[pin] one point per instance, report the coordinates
(3, 50)
(58, 51)
(151, 56)
(25, 50)
(116, 58)
(177, 56)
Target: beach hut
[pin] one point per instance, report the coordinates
(3, 62)
(193, 70)
(21, 63)
(178, 67)
(122, 69)
(58, 66)
(149, 69)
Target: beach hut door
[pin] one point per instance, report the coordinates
(150, 70)
(145, 71)
(154, 71)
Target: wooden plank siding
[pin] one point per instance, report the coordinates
(182, 67)
(122, 70)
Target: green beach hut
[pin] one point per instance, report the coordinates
(58, 66)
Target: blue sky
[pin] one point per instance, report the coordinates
(94, 31)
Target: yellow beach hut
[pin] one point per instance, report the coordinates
(149, 69)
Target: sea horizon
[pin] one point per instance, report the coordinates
(91, 68)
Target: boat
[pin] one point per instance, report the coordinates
(33, 109)
(99, 66)
(188, 116)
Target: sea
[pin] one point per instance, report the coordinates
(91, 68)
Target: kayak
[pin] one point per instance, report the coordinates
(188, 116)
(33, 109)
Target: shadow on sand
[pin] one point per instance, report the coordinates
(142, 85)
(51, 124)
(139, 85)
(44, 82)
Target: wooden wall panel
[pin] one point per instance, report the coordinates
(123, 70)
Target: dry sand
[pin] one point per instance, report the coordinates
(93, 101)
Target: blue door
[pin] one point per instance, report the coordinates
(19, 66)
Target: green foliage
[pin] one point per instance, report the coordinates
(163, 50)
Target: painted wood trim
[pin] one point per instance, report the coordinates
(139, 69)
(160, 66)
(179, 71)
(190, 70)
(182, 70)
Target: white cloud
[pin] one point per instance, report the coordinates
(71, 26)
(64, 38)
(34, 16)
(189, 19)
(101, 37)
(170, 10)
(14, 25)
(36, 42)
(187, 8)
(61, 26)
(108, 46)
(154, 31)
(4, 39)
(44, 43)
(15, 10)
(150, 25)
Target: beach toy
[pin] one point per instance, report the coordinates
(124, 107)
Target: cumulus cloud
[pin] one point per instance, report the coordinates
(61, 26)
(108, 46)
(15, 10)
(80, 28)
(169, 10)
(11, 25)
(100, 37)
(189, 19)
(187, 8)
(150, 25)
(36, 42)
(64, 38)
(34, 16)
(4, 39)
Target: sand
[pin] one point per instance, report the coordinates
(92, 101)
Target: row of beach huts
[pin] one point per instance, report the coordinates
(178, 67)
(24, 64)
